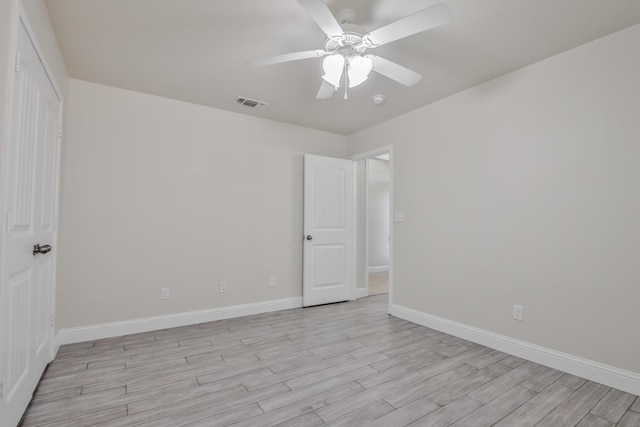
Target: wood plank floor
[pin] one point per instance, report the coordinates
(379, 283)
(346, 364)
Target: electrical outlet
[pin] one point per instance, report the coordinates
(165, 293)
(272, 282)
(223, 287)
(517, 312)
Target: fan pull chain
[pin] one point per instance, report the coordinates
(346, 85)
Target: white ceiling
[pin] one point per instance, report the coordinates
(196, 50)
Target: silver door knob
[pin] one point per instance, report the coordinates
(309, 237)
(41, 249)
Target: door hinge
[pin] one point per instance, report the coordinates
(8, 224)
(1, 389)
(17, 65)
(55, 223)
(59, 131)
(52, 319)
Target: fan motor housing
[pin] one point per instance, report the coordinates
(351, 41)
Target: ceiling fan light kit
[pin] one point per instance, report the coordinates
(345, 61)
(358, 69)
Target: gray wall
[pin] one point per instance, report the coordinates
(161, 193)
(525, 190)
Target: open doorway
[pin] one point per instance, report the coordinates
(377, 199)
(374, 200)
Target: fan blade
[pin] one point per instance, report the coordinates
(321, 14)
(394, 71)
(295, 56)
(418, 22)
(326, 90)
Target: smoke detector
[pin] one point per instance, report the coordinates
(346, 16)
(378, 99)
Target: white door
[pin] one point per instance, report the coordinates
(328, 230)
(27, 282)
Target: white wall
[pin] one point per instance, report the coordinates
(161, 193)
(525, 190)
(378, 212)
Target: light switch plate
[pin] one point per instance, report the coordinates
(518, 312)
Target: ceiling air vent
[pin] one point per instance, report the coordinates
(252, 103)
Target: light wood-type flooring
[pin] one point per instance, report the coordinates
(379, 283)
(347, 364)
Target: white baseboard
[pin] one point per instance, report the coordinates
(127, 327)
(378, 268)
(361, 293)
(604, 374)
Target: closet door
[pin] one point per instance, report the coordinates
(29, 235)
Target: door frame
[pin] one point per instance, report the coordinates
(19, 17)
(364, 156)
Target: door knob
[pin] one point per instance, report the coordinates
(309, 237)
(41, 249)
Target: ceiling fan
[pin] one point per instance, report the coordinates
(344, 50)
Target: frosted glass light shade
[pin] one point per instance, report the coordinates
(333, 66)
(359, 69)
